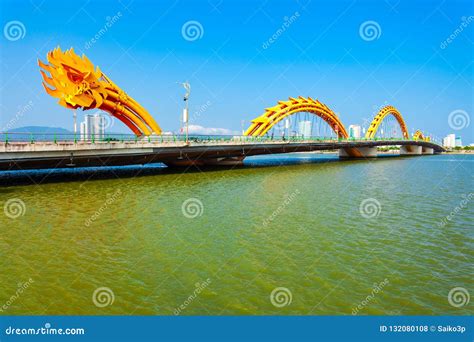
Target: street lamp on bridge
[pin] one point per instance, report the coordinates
(187, 87)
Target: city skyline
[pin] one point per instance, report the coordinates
(243, 68)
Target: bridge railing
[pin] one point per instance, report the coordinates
(71, 138)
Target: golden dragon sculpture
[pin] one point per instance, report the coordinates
(78, 84)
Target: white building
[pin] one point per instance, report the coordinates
(449, 141)
(93, 127)
(458, 142)
(355, 131)
(84, 131)
(304, 129)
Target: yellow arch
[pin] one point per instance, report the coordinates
(283, 109)
(420, 136)
(385, 111)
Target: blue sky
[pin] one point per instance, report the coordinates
(234, 70)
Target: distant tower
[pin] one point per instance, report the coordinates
(304, 129)
(84, 133)
(93, 127)
(355, 131)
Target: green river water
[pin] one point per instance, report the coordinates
(325, 237)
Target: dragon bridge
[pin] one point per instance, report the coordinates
(381, 115)
(77, 84)
(283, 109)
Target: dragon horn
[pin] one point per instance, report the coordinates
(52, 92)
(44, 66)
(47, 79)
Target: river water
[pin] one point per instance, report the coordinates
(291, 234)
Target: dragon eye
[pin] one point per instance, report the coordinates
(74, 75)
(75, 78)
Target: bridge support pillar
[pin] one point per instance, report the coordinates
(427, 150)
(410, 150)
(222, 161)
(359, 152)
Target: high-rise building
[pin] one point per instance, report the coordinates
(355, 131)
(458, 142)
(83, 130)
(449, 141)
(304, 129)
(93, 127)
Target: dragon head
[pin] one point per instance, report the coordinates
(78, 84)
(74, 80)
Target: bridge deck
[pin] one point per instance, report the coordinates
(25, 155)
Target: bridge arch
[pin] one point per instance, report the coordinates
(384, 112)
(283, 109)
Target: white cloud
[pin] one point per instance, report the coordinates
(196, 129)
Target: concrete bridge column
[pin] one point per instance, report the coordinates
(359, 152)
(427, 150)
(411, 150)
